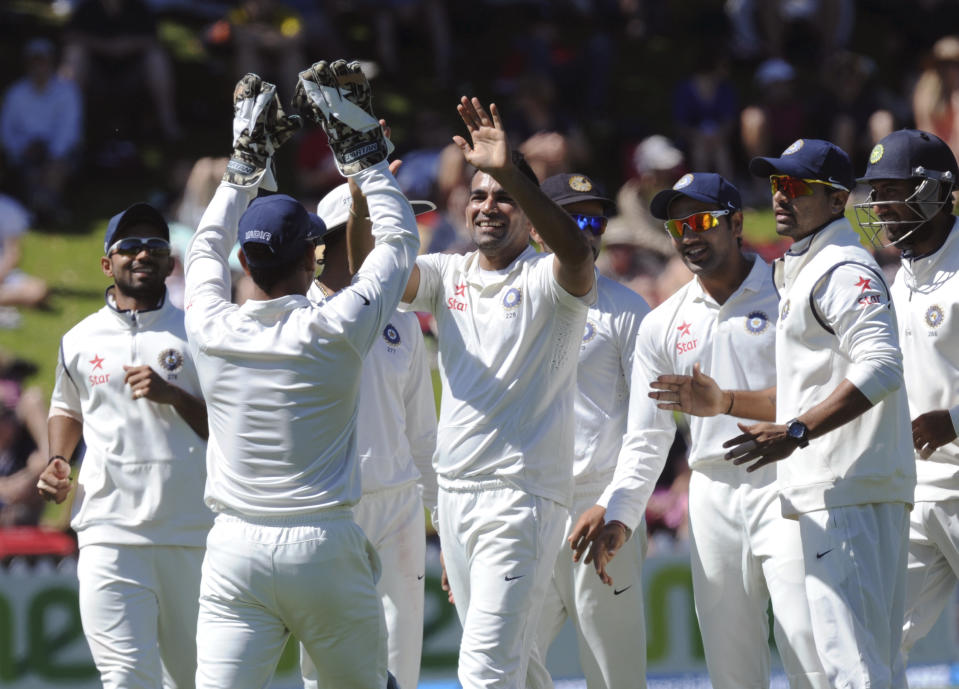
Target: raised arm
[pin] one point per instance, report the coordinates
(490, 153)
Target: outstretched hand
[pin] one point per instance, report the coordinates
(490, 151)
(697, 394)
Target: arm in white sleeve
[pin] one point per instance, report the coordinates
(207, 266)
(649, 435)
(65, 400)
(371, 299)
(421, 420)
(862, 317)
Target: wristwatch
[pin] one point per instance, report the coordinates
(797, 430)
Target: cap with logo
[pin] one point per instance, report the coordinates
(809, 159)
(908, 154)
(334, 208)
(280, 223)
(138, 213)
(707, 187)
(566, 188)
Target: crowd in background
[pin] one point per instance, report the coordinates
(633, 92)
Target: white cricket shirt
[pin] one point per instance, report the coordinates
(733, 342)
(508, 344)
(396, 414)
(141, 480)
(603, 378)
(281, 377)
(926, 295)
(836, 322)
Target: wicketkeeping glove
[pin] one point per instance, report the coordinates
(259, 128)
(337, 97)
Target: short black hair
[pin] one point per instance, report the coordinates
(267, 278)
(519, 160)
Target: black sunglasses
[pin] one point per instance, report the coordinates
(131, 246)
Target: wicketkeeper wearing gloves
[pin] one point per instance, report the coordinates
(281, 375)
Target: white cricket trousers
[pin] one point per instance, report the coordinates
(394, 521)
(138, 607)
(744, 554)
(855, 583)
(933, 567)
(609, 620)
(499, 545)
(311, 575)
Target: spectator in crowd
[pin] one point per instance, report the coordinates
(41, 130)
(16, 287)
(268, 38)
(23, 445)
(705, 111)
(935, 100)
(112, 44)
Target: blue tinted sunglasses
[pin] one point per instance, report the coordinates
(131, 246)
(596, 224)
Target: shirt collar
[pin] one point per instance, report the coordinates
(267, 308)
(482, 278)
(128, 316)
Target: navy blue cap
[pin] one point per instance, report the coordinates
(707, 187)
(900, 155)
(135, 214)
(808, 159)
(281, 223)
(567, 188)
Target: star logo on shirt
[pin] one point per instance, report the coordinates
(460, 290)
(684, 329)
(864, 284)
(97, 362)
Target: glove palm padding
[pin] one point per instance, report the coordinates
(338, 97)
(260, 127)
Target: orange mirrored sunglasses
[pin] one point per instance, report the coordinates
(794, 187)
(697, 222)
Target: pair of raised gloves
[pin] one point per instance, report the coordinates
(335, 96)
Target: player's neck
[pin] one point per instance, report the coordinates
(721, 284)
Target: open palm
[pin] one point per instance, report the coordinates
(490, 149)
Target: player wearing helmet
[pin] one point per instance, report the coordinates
(913, 174)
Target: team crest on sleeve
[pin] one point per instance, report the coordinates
(757, 322)
(934, 316)
(794, 147)
(512, 299)
(590, 332)
(391, 335)
(170, 360)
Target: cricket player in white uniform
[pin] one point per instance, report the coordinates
(510, 323)
(281, 375)
(913, 175)
(838, 366)
(127, 384)
(610, 622)
(395, 441)
(744, 553)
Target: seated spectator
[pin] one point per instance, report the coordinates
(268, 38)
(705, 111)
(41, 130)
(23, 453)
(112, 46)
(16, 287)
(935, 100)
